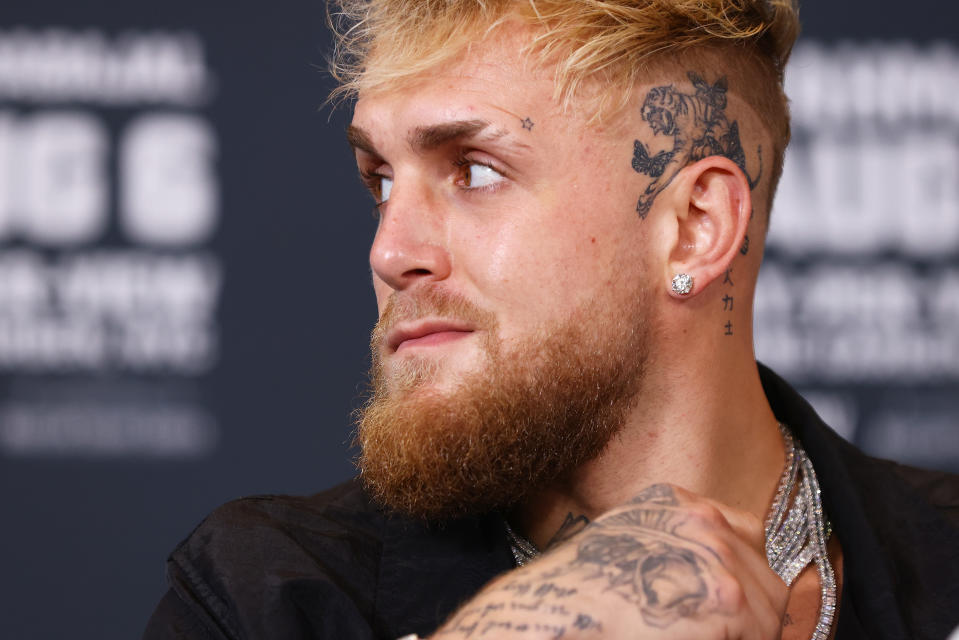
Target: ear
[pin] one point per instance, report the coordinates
(712, 205)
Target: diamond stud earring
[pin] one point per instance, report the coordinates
(682, 284)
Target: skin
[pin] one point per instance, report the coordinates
(553, 223)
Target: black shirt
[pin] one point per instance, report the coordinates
(334, 565)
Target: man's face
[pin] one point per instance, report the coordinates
(509, 267)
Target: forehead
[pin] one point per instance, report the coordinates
(491, 74)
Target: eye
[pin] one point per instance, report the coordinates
(386, 185)
(379, 185)
(477, 175)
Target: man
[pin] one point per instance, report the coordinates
(573, 197)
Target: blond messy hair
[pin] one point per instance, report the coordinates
(613, 44)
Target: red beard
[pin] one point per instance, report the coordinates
(530, 417)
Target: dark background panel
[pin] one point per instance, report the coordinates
(87, 534)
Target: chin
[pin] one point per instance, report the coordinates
(439, 443)
(409, 374)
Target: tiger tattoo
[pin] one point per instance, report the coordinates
(699, 127)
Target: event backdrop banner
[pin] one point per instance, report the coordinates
(185, 300)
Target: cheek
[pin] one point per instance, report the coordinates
(552, 251)
(517, 252)
(536, 268)
(502, 264)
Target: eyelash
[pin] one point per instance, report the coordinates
(463, 161)
(372, 180)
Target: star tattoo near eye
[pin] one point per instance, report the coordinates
(527, 124)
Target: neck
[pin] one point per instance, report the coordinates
(706, 428)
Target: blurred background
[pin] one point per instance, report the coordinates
(185, 300)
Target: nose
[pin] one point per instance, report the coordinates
(409, 246)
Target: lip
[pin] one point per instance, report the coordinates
(426, 333)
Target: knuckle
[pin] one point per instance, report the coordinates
(752, 522)
(661, 493)
(708, 515)
(731, 595)
(754, 528)
(723, 550)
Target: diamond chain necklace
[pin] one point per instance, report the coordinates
(796, 532)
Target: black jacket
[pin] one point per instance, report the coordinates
(333, 565)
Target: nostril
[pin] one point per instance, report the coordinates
(418, 272)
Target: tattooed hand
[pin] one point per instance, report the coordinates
(669, 564)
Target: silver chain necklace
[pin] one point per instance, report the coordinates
(796, 532)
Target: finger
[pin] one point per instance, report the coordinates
(753, 584)
(751, 531)
(732, 539)
(766, 591)
(736, 538)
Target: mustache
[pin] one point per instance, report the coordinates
(429, 302)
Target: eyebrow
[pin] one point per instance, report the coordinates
(434, 136)
(359, 139)
(426, 138)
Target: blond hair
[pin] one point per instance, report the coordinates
(379, 43)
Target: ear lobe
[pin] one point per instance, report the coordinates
(713, 209)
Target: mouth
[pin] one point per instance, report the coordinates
(425, 333)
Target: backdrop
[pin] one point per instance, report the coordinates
(185, 300)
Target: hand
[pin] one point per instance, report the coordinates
(668, 564)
